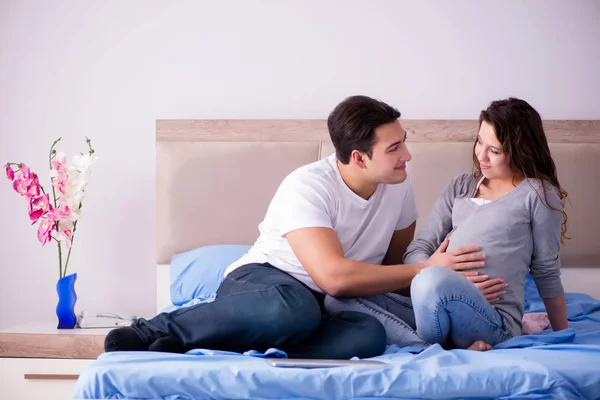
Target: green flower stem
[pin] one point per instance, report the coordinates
(70, 248)
(60, 275)
(52, 152)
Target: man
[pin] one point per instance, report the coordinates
(338, 226)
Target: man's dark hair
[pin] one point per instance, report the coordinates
(353, 122)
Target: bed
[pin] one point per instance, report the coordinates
(214, 182)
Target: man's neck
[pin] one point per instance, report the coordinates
(355, 182)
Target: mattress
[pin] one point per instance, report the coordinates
(549, 365)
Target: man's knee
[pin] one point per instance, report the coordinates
(294, 312)
(434, 282)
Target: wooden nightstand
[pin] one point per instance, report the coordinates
(39, 361)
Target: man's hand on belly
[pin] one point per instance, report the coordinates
(462, 259)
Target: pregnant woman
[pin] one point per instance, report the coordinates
(512, 207)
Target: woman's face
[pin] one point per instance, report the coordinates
(493, 161)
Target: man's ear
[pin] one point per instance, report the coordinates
(358, 158)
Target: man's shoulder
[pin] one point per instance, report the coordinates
(312, 181)
(318, 173)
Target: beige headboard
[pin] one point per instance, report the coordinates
(215, 178)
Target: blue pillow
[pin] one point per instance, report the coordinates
(197, 274)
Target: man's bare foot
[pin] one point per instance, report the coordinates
(479, 345)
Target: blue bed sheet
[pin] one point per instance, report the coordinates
(547, 365)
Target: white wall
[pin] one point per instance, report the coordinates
(109, 69)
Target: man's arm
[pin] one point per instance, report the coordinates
(398, 245)
(320, 253)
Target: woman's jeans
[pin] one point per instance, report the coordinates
(444, 308)
(259, 307)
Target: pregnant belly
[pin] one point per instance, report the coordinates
(504, 257)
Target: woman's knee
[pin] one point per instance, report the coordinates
(434, 282)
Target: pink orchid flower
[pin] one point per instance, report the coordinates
(39, 207)
(33, 190)
(54, 222)
(50, 215)
(60, 181)
(35, 215)
(44, 231)
(25, 171)
(69, 234)
(61, 187)
(41, 202)
(59, 162)
(21, 185)
(65, 232)
(63, 211)
(10, 173)
(66, 235)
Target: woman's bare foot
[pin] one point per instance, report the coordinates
(479, 345)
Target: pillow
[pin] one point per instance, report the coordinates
(197, 274)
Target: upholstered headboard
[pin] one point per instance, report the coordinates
(215, 178)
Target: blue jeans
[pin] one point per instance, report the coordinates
(444, 308)
(258, 307)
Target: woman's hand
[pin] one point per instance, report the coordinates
(458, 260)
(492, 289)
(464, 259)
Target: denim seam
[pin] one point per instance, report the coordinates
(240, 280)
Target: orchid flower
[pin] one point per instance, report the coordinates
(56, 219)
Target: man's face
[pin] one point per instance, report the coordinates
(390, 154)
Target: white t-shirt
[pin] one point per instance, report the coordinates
(315, 195)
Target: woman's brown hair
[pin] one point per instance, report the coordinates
(519, 129)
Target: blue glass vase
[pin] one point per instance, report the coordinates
(65, 309)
